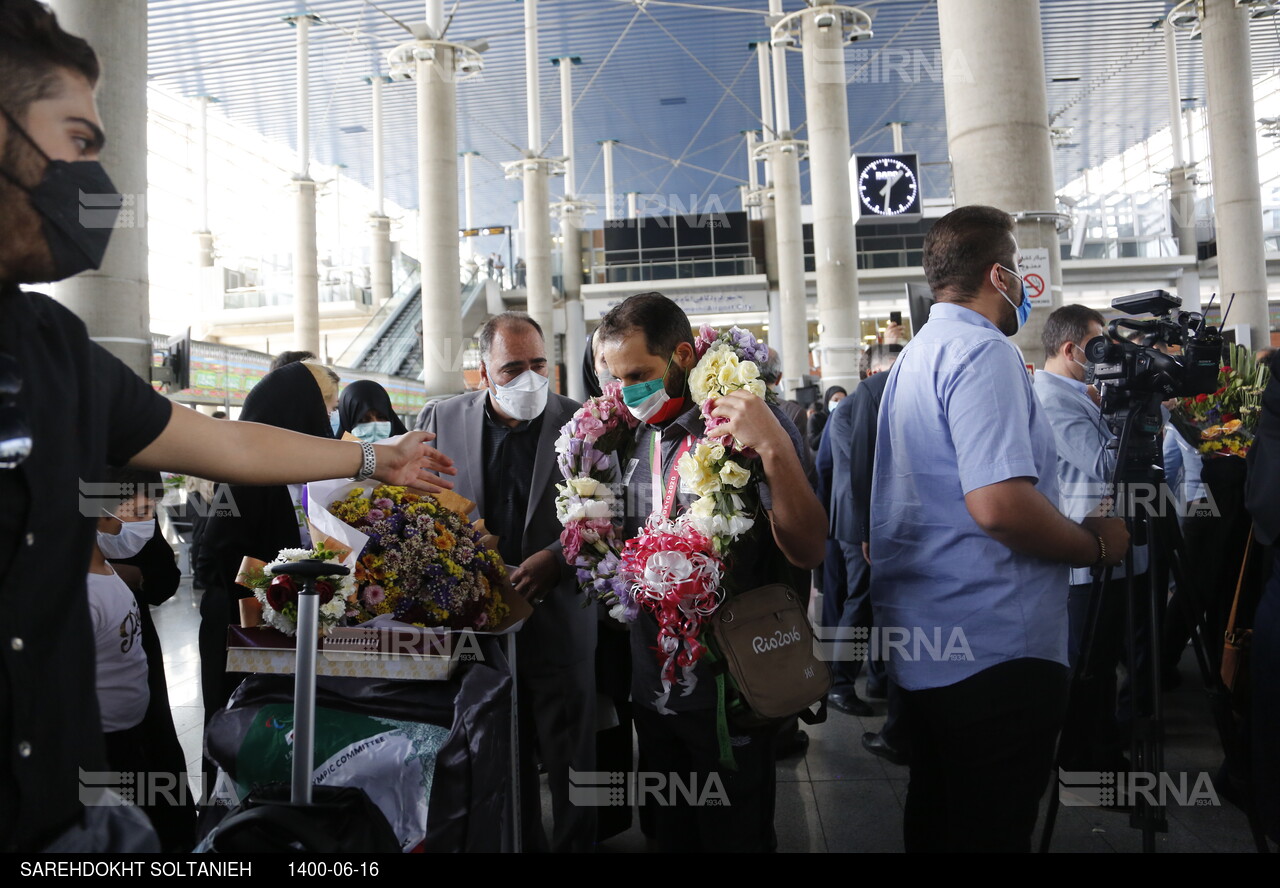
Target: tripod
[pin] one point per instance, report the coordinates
(1139, 470)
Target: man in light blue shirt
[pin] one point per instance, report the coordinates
(967, 545)
(1091, 739)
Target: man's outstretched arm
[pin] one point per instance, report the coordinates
(253, 453)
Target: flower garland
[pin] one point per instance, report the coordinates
(586, 504)
(673, 569)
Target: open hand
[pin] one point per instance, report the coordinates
(410, 462)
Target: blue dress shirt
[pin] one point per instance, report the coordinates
(959, 414)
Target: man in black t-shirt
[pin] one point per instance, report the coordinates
(67, 409)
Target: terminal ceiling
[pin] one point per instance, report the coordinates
(674, 83)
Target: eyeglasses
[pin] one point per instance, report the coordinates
(15, 434)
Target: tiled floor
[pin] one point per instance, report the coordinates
(837, 797)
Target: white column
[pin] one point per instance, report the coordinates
(467, 216)
(632, 209)
(379, 224)
(575, 332)
(442, 332)
(537, 199)
(306, 273)
(835, 254)
(790, 230)
(610, 211)
(113, 301)
(767, 216)
(1233, 154)
(998, 126)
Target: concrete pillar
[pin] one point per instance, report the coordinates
(113, 301)
(767, 217)
(379, 224)
(204, 239)
(1233, 153)
(785, 160)
(575, 332)
(537, 240)
(998, 127)
(1182, 206)
(468, 217)
(610, 196)
(835, 253)
(442, 332)
(380, 259)
(204, 249)
(306, 273)
(789, 233)
(575, 325)
(537, 200)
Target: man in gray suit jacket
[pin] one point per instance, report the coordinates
(503, 439)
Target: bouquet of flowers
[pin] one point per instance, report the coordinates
(421, 562)
(278, 594)
(1222, 423)
(586, 504)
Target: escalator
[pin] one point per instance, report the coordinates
(391, 342)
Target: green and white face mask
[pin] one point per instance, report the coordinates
(646, 399)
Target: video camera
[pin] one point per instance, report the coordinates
(1128, 372)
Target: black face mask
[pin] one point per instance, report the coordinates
(79, 205)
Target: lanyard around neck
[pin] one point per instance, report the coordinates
(655, 468)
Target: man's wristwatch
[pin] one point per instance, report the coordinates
(1102, 550)
(368, 462)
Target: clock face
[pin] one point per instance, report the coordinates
(887, 187)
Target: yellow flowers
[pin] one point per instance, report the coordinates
(734, 475)
(720, 372)
(698, 468)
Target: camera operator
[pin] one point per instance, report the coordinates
(966, 538)
(1091, 739)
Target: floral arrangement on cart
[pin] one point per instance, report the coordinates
(414, 559)
(1221, 423)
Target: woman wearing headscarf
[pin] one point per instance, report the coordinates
(364, 410)
(253, 521)
(818, 421)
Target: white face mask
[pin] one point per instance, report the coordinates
(523, 398)
(831, 406)
(129, 541)
(372, 431)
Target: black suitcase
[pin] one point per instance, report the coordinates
(300, 818)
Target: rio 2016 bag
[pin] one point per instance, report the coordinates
(764, 641)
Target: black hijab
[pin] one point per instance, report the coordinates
(288, 398)
(359, 398)
(590, 380)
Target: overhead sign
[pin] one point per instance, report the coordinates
(482, 232)
(886, 187)
(1034, 265)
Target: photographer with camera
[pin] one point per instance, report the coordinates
(1091, 739)
(967, 541)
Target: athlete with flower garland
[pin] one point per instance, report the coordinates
(760, 522)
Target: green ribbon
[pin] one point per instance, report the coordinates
(722, 726)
